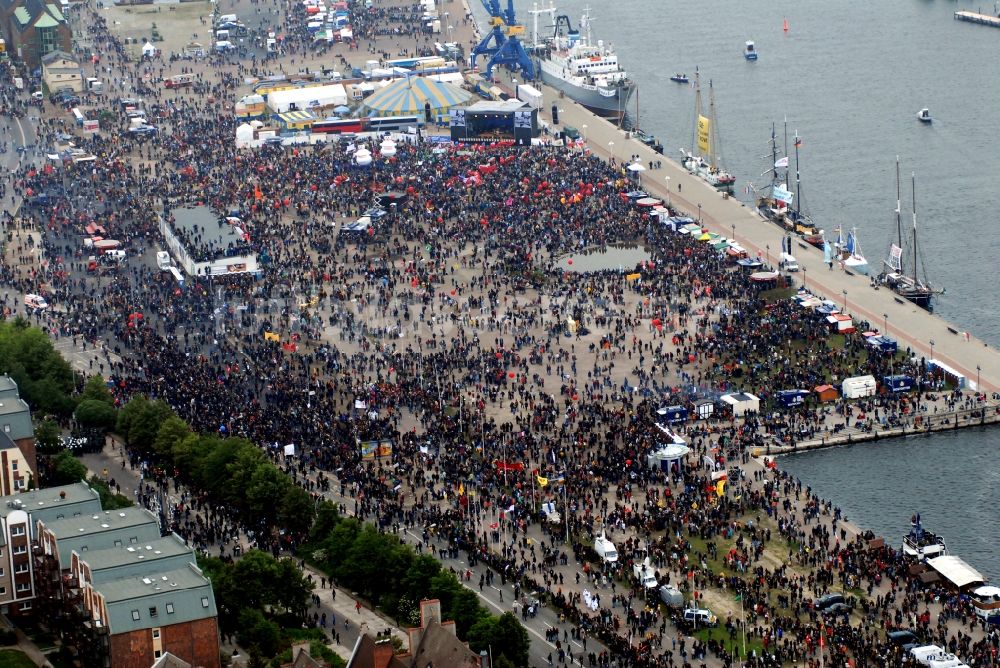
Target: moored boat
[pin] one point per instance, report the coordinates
(986, 603)
(849, 252)
(586, 72)
(910, 285)
(704, 162)
(750, 51)
(921, 544)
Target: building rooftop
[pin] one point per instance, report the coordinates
(104, 530)
(169, 552)
(10, 405)
(51, 501)
(201, 226)
(7, 384)
(496, 107)
(53, 56)
(161, 598)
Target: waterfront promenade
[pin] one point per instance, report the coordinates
(926, 334)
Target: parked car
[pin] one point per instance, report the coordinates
(700, 617)
(824, 602)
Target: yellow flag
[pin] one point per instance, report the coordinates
(461, 488)
(542, 482)
(704, 132)
(633, 277)
(271, 336)
(720, 488)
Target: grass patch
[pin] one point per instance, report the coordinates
(733, 645)
(13, 658)
(777, 294)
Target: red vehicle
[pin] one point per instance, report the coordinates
(179, 81)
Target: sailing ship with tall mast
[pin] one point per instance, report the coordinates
(779, 204)
(704, 159)
(907, 285)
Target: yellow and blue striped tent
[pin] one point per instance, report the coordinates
(407, 97)
(296, 120)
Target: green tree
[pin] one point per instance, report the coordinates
(258, 633)
(65, 470)
(109, 499)
(47, 438)
(339, 542)
(265, 492)
(504, 635)
(296, 511)
(327, 517)
(466, 611)
(291, 588)
(146, 424)
(256, 574)
(375, 563)
(171, 432)
(96, 389)
(44, 379)
(129, 414)
(94, 414)
(419, 576)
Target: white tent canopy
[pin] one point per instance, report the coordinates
(742, 403)
(307, 98)
(148, 49)
(956, 571)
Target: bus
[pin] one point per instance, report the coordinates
(177, 275)
(179, 81)
(393, 123)
(336, 126)
(78, 116)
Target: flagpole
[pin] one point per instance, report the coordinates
(743, 624)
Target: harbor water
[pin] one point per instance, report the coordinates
(850, 78)
(950, 478)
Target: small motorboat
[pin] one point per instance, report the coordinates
(680, 78)
(750, 52)
(924, 116)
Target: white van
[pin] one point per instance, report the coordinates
(789, 263)
(163, 260)
(605, 549)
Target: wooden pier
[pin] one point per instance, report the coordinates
(976, 17)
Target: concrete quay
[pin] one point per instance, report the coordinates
(921, 425)
(926, 334)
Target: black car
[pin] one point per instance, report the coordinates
(837, 609)
(824, 602)
(904, 638)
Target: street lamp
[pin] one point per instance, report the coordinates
(667, 179)
(767, 251)
(844, 292)
(584, 129)
(978, 371)
(734, 231)
(699, 214)
(611, 148)
(885, 324)
(932, 348)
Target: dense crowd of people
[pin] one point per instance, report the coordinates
(456, 329)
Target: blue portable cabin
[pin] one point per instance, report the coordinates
(898, 383)
(673, 414)
(883, 344)
(792, 398)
